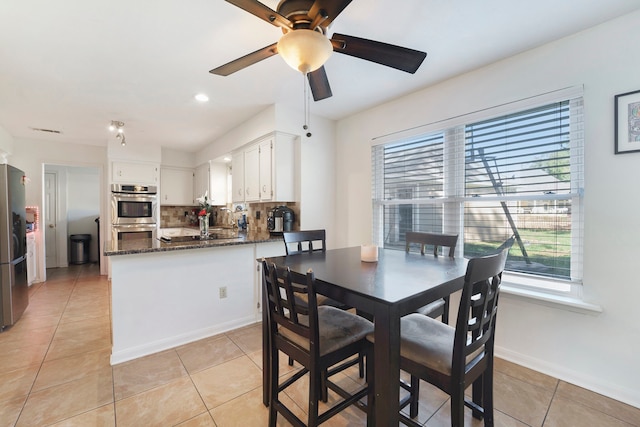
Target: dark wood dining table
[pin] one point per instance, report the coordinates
(396, 285)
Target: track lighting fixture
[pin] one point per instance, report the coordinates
(118, 126)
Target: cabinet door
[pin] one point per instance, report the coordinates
(266, 162)
(218, 184)
(252, 174)
(237, 177)
(135, 173)
(201, 182)
(177, 187)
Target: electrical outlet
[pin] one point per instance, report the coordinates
(223, 292)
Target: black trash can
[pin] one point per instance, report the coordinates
(80, 248)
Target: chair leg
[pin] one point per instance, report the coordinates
(415, 396)
(478, 396)
(487, 392)
(290, 361)
(457, 408)
(315, 381)
(361, 365)
(274, 386)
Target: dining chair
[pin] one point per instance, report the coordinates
(298, 239)
(308, 241)
(454, 358)
(439, 308)
(319, 338)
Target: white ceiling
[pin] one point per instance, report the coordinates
(75, 65)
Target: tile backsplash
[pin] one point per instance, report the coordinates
(186, 216)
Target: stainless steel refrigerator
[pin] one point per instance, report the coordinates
(14, 289)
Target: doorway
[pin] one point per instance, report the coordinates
(72, 203)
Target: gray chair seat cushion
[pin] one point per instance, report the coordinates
(337, 328)
(431, 307)
(427, 341)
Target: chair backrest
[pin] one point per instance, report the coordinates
(285, 312)
(435, 239)
(315, 240)
(475, 327)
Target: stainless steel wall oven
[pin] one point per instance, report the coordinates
(134, 211)
(133, 204)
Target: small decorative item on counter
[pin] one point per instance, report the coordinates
(203, 215)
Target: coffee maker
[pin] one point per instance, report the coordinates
(280, 219)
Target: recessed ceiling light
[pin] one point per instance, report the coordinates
(202, 97)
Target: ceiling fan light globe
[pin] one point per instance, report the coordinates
(304, 50)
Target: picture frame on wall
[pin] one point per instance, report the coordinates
(627, 122)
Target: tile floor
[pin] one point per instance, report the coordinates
(54, 370)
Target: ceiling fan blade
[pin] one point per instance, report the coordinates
(332, 8)
(263, 12)
(245, 61)
(319, 84)
(397, 57)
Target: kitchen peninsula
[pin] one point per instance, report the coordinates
(168, 294)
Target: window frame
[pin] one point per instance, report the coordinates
(454, 197)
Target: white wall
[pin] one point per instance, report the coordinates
(6, 142)
(32, 155)
(595, 351)
(83, 205)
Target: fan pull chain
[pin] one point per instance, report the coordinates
(305, 94)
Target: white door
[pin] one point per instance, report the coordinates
(50, 219)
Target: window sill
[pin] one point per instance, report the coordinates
(569, 303)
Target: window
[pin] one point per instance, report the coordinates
(512, 178)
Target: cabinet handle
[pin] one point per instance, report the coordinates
(264, 188)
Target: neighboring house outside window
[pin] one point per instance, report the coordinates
(513, 178)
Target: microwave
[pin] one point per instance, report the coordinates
(133, 204)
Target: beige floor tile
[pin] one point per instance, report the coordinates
(442, 418)
(202, 420)
(79, 343)
(248, 410)
(431, 400)
(249, 338)
(224, 382)
(208, 352)
(18, 383)
(166, 405)
(600, 403)
(298, 392)
(86, 327)
(21, 357)
(10, 410)
(67, 400)
(103, 416)
(283, 365)
(146, 373)
(525, 374)
(60, 371)
(11, 339)
(566, 413)
(521, 400)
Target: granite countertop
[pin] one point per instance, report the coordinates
(226, 238)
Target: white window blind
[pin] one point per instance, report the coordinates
(514, 178)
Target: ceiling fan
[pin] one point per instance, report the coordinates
(306, 47)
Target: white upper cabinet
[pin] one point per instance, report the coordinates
(134, 173)
(252, 174)
(218, 183)
(237, 180)
(201, 179)
(265, 170)
(176, 187)
(211, 177)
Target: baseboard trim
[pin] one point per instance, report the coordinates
(589, 382)
(125, 355)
